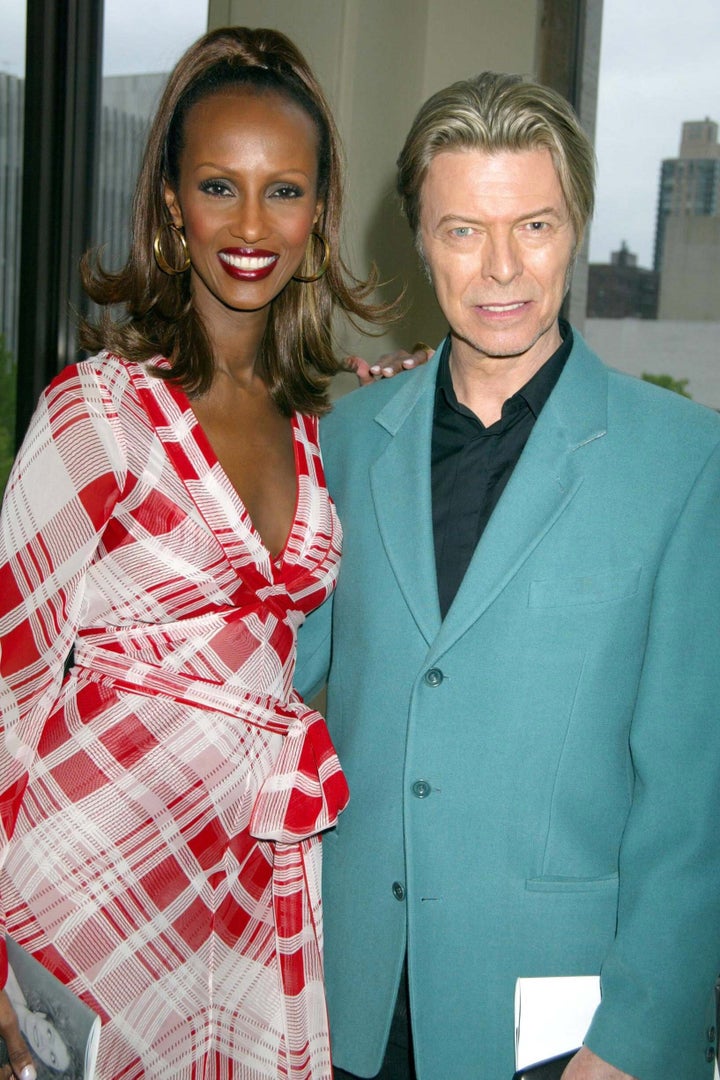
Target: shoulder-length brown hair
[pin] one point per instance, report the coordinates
(297, 356)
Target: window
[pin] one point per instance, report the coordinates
(88, 127)
(12, 89)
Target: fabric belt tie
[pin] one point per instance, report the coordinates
(304, 791)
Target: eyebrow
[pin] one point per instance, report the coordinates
(226, 169)
(532, 215)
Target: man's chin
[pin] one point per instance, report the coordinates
(511, 345)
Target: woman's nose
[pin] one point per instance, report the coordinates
(249, 223)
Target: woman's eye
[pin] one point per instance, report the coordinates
(215, 187)
(286, 191)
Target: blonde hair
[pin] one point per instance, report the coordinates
(495, 113)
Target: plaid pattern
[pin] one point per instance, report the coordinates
(161, 804)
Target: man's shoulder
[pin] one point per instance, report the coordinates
(355, 413)
(647, 406)
(654, 407)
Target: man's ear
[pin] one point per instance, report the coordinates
(171, 201)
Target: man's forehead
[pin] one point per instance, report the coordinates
(526, 159)
(457, 173)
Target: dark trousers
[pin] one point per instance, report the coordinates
(398, 1061)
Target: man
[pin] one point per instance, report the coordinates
(525, 676)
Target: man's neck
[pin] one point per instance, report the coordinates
(484, 383)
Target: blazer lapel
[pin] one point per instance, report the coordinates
(542, 486)
(400, 486)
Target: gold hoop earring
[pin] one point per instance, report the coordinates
(160, 259)
(323, 265)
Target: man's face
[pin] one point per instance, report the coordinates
(498, 241)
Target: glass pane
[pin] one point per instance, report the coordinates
(12, 86)
(654, 282)
(141, 44)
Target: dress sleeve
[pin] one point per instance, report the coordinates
(62, 490)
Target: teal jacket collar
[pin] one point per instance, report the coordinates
(542, 486)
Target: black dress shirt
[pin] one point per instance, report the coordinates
(471, 463)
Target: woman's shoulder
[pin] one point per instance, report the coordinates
(105, 375)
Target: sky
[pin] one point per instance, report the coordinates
(658, 67)
(140, 36)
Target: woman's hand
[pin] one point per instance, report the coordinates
(21, 1064)
(389, 364)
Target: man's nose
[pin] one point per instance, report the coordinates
(501, 257)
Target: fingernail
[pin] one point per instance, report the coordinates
(28, 1073)
(410, 362)
(376, 369)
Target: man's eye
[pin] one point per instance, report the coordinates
(462, 230)
(537, 226)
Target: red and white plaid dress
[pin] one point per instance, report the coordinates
(161, 805)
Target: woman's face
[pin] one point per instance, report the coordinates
(246, 197)
(45, 1041)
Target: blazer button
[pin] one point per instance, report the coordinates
(421, 789)
(434, 676)
(710, 1054)
(398, 890)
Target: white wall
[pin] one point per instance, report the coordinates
(378, 60)
(685, 350)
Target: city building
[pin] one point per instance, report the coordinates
(687, 233)
(621, 289)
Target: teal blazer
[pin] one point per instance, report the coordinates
(535, 780)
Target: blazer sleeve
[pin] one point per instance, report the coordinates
(314, 651)
(658, 976)
(314, 643)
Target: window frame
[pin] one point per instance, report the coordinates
(63, 93)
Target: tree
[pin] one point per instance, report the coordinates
(668, 383)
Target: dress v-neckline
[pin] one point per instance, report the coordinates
(196, 431)
(200, 435)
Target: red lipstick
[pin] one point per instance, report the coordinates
(247, 264)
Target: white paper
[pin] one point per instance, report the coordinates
(552, 1016)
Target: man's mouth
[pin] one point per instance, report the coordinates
(501, 308)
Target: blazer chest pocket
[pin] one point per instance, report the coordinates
(572, 884)
(602, 587)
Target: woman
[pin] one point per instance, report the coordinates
(167, 521)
